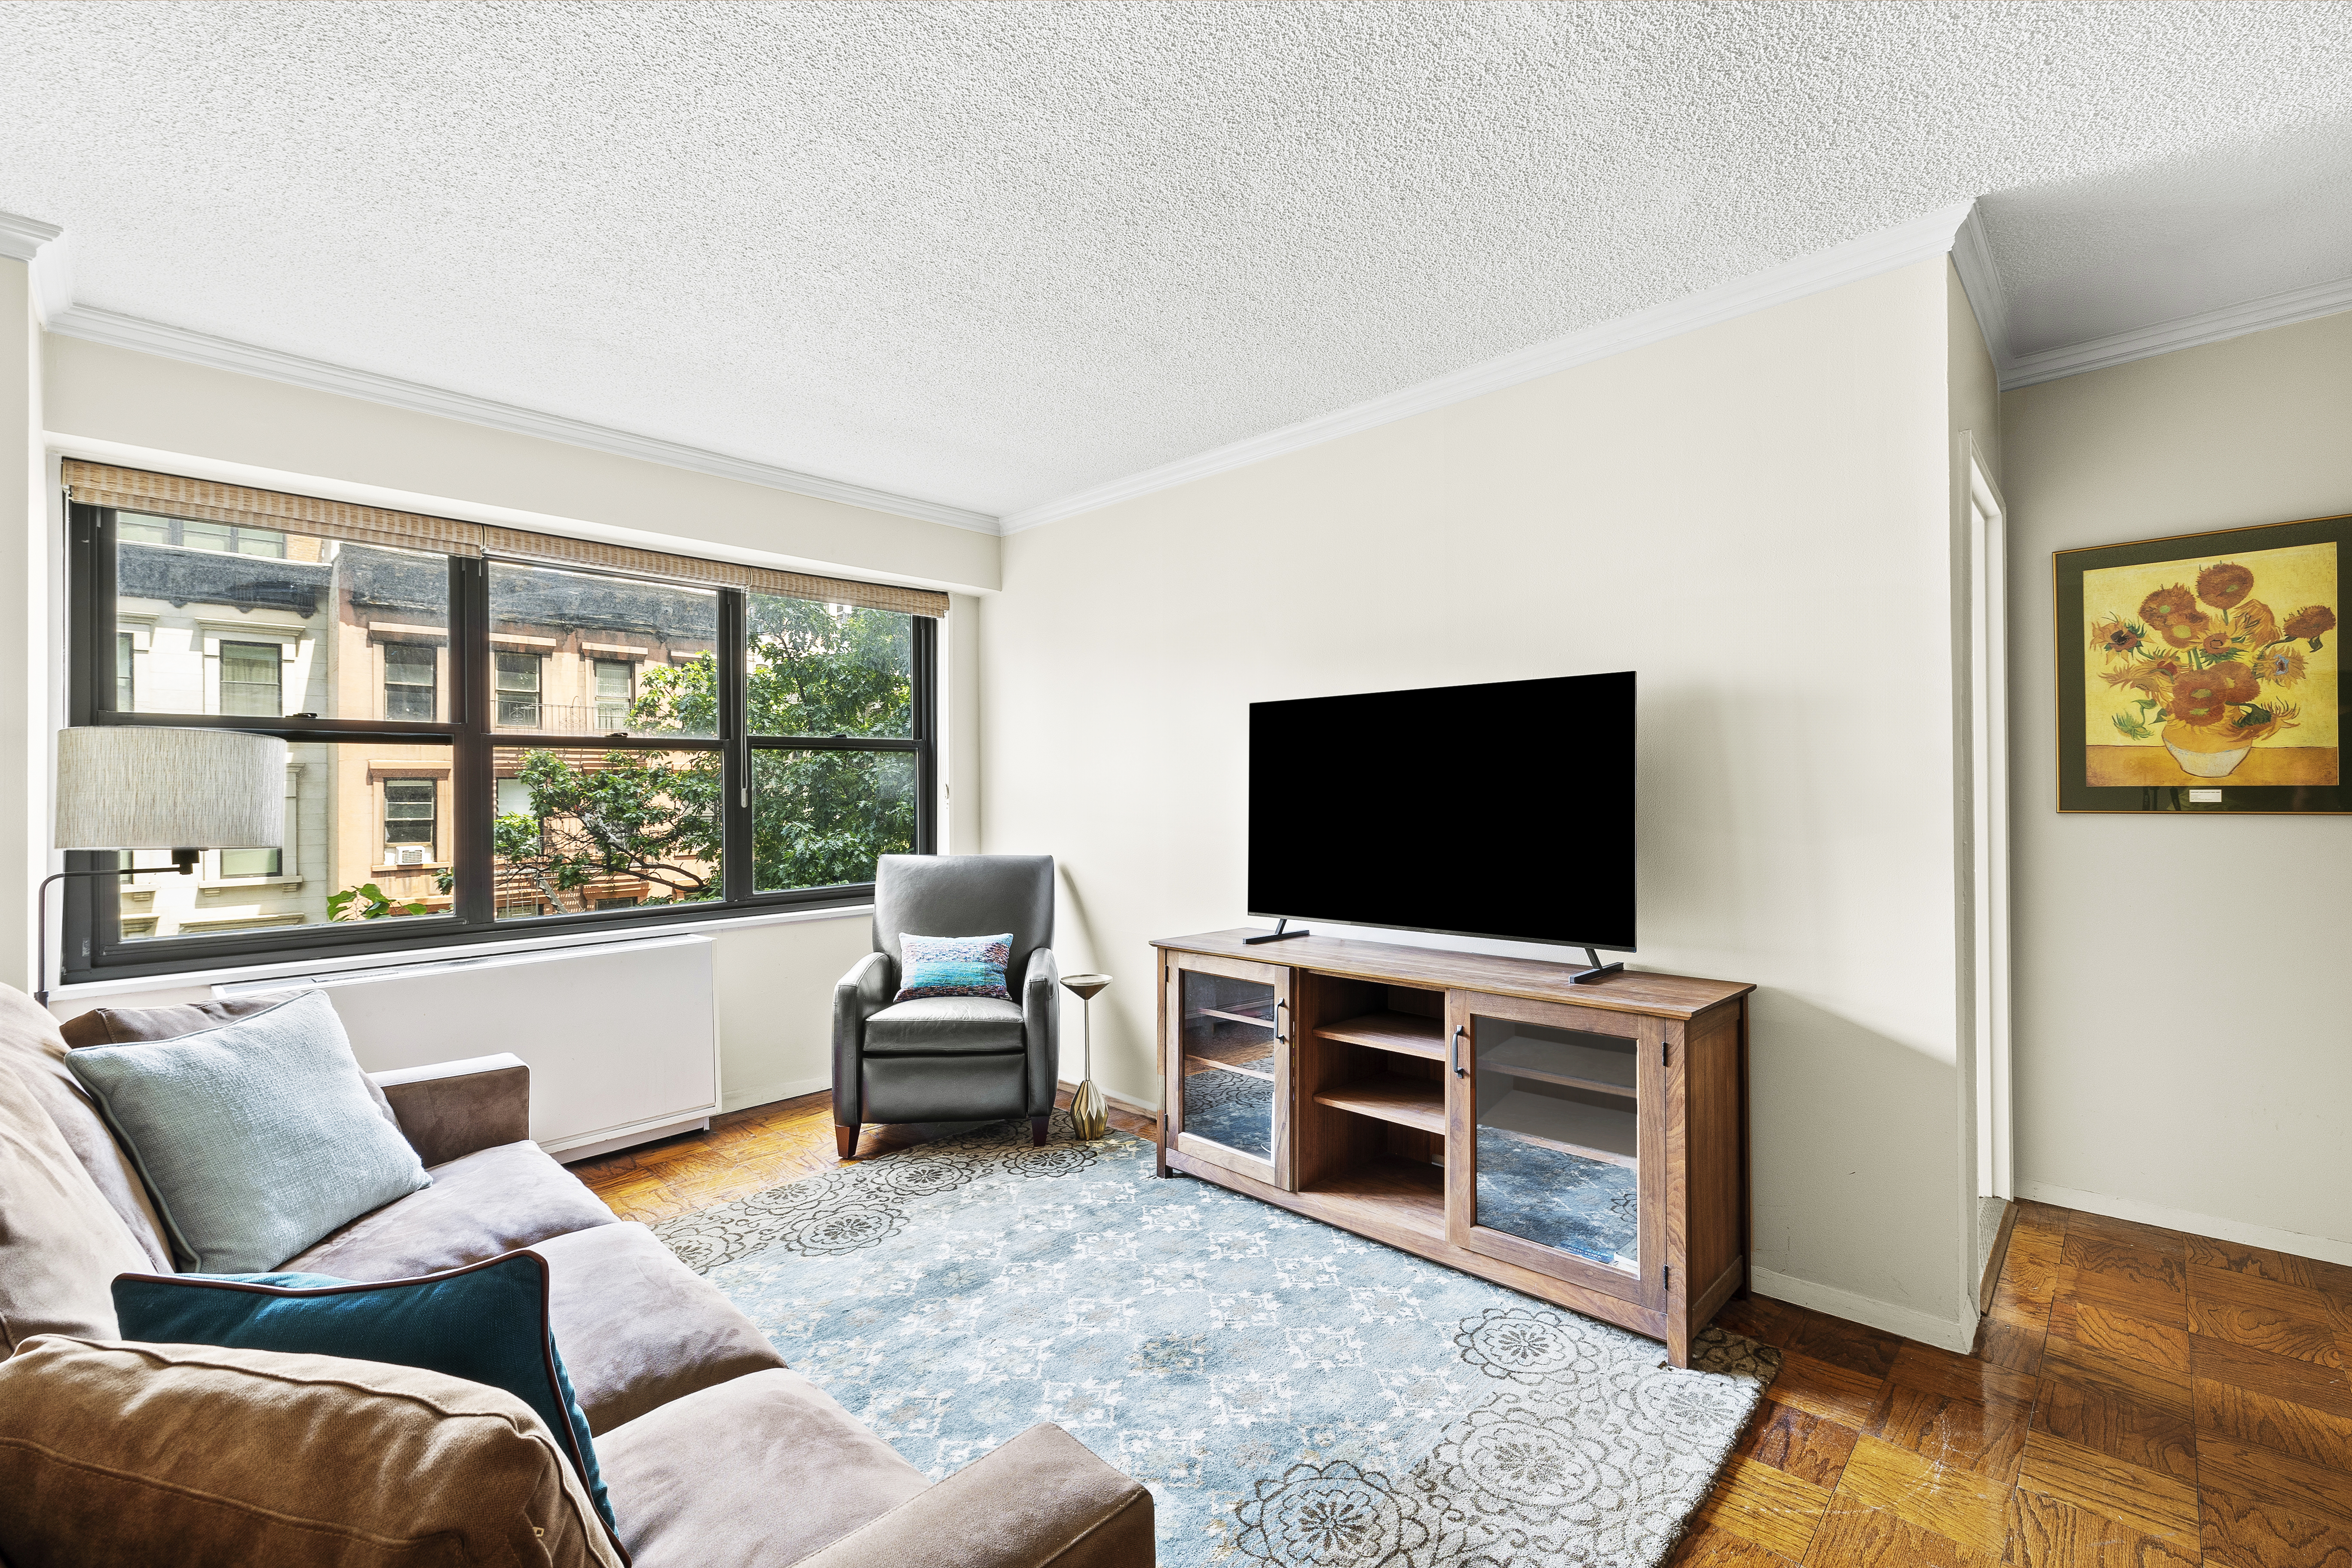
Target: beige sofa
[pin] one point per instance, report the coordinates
(713, 1451)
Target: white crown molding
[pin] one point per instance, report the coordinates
(1980, 282)
(2185, 332)
(1848, 263)
(117, 330)
(46, 251)
(21, 238)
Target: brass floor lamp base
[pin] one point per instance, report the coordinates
(1090, 1116)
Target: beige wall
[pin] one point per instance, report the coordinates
(2217, 1107)
(24, 603)
(1757, 517)
(116, 394)
(775, 981)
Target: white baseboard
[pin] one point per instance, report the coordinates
(768, 1093)
(1117, 1102)
(1909, 1322)
(2214, 1226)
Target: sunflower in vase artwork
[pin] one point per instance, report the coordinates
(2208, 669)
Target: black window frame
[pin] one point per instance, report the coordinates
(94, 949)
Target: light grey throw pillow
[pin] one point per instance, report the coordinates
(255, 1138)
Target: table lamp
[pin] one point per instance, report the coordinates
(1089, 1118)
(133, 787)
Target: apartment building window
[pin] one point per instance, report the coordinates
(411, 683)
(186, 534)
(617, 686)
(250, 680)
(625, 737)
(517, 691)
(410, 818)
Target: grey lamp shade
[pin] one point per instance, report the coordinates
(137, 788)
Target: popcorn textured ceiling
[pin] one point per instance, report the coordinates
(989, 253)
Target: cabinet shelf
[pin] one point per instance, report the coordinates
(1593, 1131)
(1574, 1067)
(1259, 1020)
(1407, 1034)
(1385, 1194)
(1257, 1055)
(1408, 1102)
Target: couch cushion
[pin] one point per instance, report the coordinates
(640, 1330)
(255, 1138)
(938, 1026)
(129, 1026)
(486, 1321)
(60, 1244)
(700, 1481)
(200, 1457)
(484, 1204)
(133, 1025)
(29, 1043)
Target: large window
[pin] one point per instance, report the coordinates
(483, 746)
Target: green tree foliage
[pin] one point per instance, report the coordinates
(369, 902)
(819, 818)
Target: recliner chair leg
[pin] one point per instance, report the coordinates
(1037, 1125)
(845, 1140)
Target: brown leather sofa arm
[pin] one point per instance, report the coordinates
(451, 1109)
(1042, 1501)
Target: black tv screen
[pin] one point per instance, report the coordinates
(1503, 810)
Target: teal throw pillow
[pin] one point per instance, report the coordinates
(254, 1139)
(952, 966)
(486, 1322)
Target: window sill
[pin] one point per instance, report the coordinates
(441, 954)
(428, 866)
(249, 884)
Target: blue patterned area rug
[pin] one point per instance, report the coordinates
(1293, 1395)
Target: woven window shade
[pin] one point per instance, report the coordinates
(556, 551)
(135, 489)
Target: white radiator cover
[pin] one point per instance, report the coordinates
(622, 1038)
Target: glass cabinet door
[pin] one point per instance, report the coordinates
(1230, 1075)
(1554, 1112)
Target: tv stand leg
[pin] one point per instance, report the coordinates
(1595, 971)
(1279, 933)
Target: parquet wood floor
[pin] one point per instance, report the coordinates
(2138, 1397)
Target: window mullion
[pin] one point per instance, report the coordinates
(474, 797)
(927, 772)
(735, 878)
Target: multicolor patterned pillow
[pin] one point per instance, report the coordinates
(953, 967)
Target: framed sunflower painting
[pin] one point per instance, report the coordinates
(2202, 673)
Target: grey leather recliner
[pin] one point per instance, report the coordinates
(951, 1058)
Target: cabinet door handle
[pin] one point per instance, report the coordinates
(1458, 1033)
(1281, 1006)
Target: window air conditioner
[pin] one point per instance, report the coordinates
(408, 855)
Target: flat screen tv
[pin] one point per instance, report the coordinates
(1503, 809)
